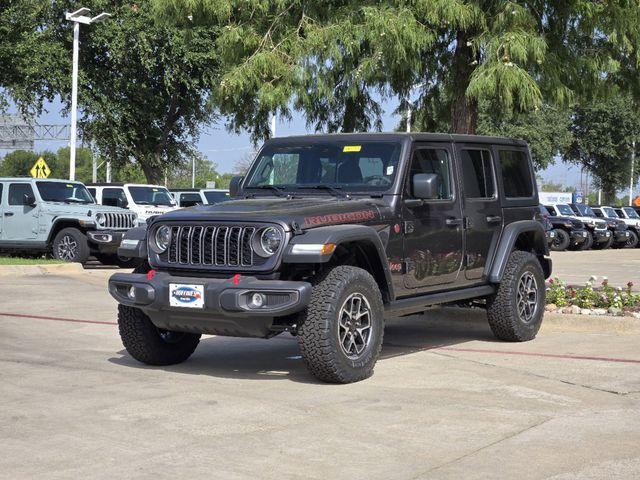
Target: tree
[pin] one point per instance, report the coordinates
(546, 130)
(329, 57)
(143, 87)
(180, 177)
(603, 132)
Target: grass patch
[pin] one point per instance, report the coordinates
(27, 261)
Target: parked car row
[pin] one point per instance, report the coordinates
(575, 226)
(73, 222)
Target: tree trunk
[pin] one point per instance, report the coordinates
(153, 173)
(464, 111)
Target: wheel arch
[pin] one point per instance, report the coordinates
(524, 235)
(62, 223)
(362, 241)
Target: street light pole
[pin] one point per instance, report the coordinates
(77, 17)
(633, 160)
(273, 125)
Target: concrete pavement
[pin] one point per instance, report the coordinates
(446, 400)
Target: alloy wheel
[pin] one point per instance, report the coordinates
(354, 330)
(68, 248)
(527, 297)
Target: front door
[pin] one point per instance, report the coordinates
(1, 212)
(483, 214)
(433, 229)
(20, 219)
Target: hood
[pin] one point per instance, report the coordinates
(78, 209)
(306, 212)
(146, 211)
(573, 221)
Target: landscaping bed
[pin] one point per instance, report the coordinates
(593, 298)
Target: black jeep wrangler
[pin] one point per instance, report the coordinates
(328, 235)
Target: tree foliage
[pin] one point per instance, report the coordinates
(603, 132)
(335, 60)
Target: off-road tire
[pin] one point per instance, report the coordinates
(144, 342)
(633, 240)
(81, 245)
(603, 245)
(561, 242)
(502, 307)
(318, 330)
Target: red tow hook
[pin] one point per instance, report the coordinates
(151, 274)
(236, 279)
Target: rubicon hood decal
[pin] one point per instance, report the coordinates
(334, 218)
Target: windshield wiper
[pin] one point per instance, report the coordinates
(321, 186)
(279, 191)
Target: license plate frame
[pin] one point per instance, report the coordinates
(186, 295)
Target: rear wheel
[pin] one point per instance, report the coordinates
(70, 245)
(588, 242)
(561, 241)
(152, 345)
(515, 311)
(340, 334)
(632, 241)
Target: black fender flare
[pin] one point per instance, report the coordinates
(536, 238)
(69, 223)
(338, 235)
(137, 245)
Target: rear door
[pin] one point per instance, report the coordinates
(433, 229)
(20, 219)
(482, 210)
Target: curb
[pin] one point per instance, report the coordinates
(45, 269)
(590, 323)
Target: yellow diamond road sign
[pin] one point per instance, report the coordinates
(40, 169)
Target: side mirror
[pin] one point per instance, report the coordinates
(425, 186)
(234, 186)
(28, 199)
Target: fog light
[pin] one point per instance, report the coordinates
(132, 292)
(257, 300)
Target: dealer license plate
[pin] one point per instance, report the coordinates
(186, 295)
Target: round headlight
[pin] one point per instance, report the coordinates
(270, 241)
(101, 219)
(162, 238)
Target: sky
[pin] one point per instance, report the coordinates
(225, 149)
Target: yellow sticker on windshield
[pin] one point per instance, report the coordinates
(352, 148)
(154, 189)
(69, 185)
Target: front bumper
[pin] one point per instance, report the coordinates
(620, 236)
(225, 303)
(105, 240)
(578, 237)
(600, 236)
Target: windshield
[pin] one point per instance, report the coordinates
(565, 210)
(609, 212)
(585, 210)
(158, 196)
(64, 192)
(216, 197)
(353, 166)
(631, 213)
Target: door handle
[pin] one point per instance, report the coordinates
(494, 218)
(8, 214)
(453, 222)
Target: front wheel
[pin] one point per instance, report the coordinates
(632, 241)
(70, 245)
(515, 311)
(561, 241)
(152, 345)
(341, 331)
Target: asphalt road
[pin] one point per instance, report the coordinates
(446, 400)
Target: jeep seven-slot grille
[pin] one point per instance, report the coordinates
(119, 221)
(221, 246)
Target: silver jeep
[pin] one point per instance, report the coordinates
(61, 217)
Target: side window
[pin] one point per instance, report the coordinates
(477, 174)
(552, 211)
(433, 160)
(114, 197)
(17, 191)
(598, 212)
(516, 174)
(1, 194)
(92, 191)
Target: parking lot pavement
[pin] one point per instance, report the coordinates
(446, 401)
(618, 265)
